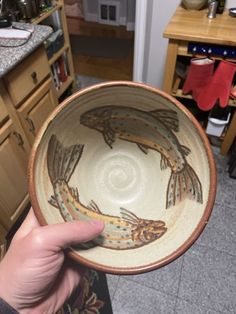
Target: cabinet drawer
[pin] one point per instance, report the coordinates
(27, 76)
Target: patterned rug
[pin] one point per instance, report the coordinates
(91, 296)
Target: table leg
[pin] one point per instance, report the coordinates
(230, 135)
(171, 58)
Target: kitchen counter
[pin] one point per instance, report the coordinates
(17, 49)
(193, 25)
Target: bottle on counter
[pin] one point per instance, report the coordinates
(220, 7)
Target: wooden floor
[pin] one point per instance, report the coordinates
(105, 68)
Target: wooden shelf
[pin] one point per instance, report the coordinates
(64, 86)
(183, 51)
(46, 14)
(65, 51)
(188, 26)
(179, 93)
(58, 54)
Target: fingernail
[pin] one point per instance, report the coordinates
(97, 223)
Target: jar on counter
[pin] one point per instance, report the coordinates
(28, 9)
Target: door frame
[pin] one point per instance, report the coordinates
(139, 39)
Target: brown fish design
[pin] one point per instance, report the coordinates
(150, 130)
(125, 232)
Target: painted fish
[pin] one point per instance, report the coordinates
(125, 232)
(150, 130)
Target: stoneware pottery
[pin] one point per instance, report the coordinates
(131, 156)
(194, 4)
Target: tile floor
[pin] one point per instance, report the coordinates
(201, 281)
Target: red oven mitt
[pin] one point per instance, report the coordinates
(199, 73)
(218, 88)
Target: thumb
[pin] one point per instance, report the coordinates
(61, 236)
(27, 225)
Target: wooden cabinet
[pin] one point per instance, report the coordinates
(26, 100)
(187, 27)
(13, 175)
(36, 109)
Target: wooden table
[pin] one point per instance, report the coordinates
(193, 26)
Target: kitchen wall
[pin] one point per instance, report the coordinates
(158, 16)
(230, 3)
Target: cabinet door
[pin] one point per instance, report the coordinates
(3, 233)
(36, 109)
(13, 175)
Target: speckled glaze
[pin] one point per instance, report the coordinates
(123, 173)
(12, 56)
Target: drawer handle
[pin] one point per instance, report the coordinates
(31, 125)
(20, 141)
(34, 77)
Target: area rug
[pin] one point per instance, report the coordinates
(101, 47)
(91, 296)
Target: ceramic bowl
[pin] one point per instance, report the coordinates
(194, 4)
(131, 156)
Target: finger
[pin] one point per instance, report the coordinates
(28, 224)
(61, 236)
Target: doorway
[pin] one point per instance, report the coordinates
(102, 37)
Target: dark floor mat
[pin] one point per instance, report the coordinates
(101, 47)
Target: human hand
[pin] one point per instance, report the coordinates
(35, 275)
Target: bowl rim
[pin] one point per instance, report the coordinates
(212, 188)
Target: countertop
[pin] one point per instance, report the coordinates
(17, 49)
(193, 25)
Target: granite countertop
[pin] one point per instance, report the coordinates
(13, 51)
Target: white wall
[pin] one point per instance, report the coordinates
(230, 3)
(157, 16)
(155, 57)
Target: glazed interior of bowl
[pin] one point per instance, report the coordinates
(134, 157)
